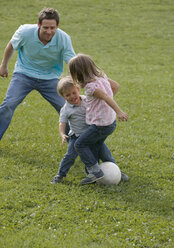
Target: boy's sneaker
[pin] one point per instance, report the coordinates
(92, 177)
(56, 179)
(124, 177)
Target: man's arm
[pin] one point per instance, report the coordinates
(68, 52)
(8, 52)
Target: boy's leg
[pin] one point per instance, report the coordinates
(19, 87)
(67, 161)
(69, 158)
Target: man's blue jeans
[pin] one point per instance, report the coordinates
(93, 136)
(20, 86)
(103, 154)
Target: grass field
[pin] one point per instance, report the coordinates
(132, 41)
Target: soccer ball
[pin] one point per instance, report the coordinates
(112, 174)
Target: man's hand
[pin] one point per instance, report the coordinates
(3, 71)
(8, 52)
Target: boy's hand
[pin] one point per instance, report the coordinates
(122, 116)
(64, 139)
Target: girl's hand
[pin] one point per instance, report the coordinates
(122, 116)
(64, 139)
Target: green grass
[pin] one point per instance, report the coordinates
(132, 41)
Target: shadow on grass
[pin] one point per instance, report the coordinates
(34, 157)
(143, 193)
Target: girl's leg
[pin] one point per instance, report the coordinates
(83, 146)
(105, 154)
(92, 136)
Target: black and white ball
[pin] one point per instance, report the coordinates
(112, 174)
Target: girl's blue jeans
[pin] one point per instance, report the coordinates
(20, 86)
(93, 136)
(103, 154)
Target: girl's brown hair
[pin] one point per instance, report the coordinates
(83, 69)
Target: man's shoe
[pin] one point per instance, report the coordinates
(124, 177)
(92, 177)
(56, 179)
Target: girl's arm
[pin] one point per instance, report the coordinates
(62, 127)
(99, 93)
(114, 86)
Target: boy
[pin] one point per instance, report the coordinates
(74, 113)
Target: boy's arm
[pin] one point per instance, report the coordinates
(99, 93)
(62, 127)
(114, 86)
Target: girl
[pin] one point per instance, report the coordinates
(101, 111)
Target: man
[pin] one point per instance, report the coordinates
(42, 48)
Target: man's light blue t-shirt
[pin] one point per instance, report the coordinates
(38, 60)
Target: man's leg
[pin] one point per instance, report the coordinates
(48, 89)
(19, 87)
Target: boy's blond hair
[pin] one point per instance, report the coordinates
(64, 84)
